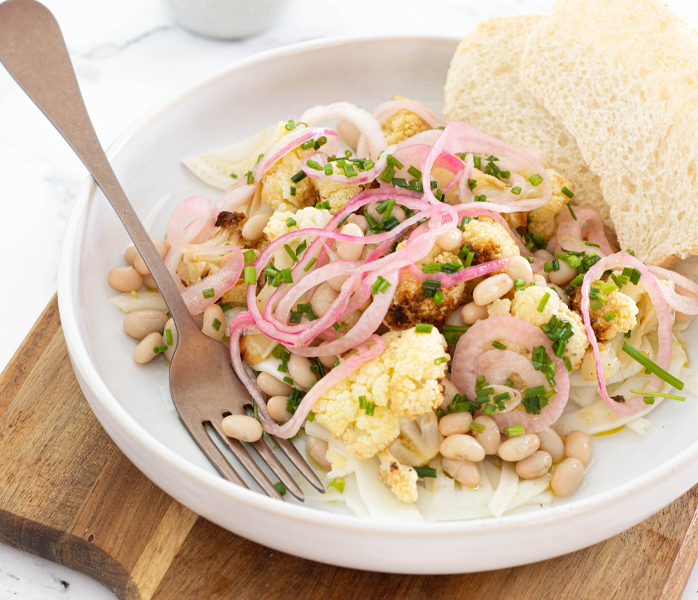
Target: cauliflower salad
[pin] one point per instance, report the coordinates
(421, 307)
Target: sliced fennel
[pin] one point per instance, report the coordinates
(141, 301)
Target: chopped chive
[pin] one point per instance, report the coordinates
(302, 246)
(416, 173)
(280, 487)
(635, 277)
(570, 194)
(216, 325)
(456, 328)
(648, 399)
(514, 430)
(233, 175)
(516, 190)
(472, 184)
(499, 345)
(313, 164)
(477, 163)
(423, 328)
(440, 360)
(311, 416)
(208, 293)
(577, 280)
(425, 472)
(290, 252)
(438, 298)
(310, 264)
(362, 402)
(477, 427)
(249, 256)
(380, 285)
(535, 180)
(519, 284)
(609, 316)
(250, 177)
(370, 408)
(250, 275)
(160, 349)
(286, 275)
(489, 409)
(553, 265)
(660, 394)
(500, 397)
(168, 336)
(295, 317)
(543, 302)
(651, 366)
(568, 364)
(288, 380)
(291, 222)
(298, 177)
(596, 305)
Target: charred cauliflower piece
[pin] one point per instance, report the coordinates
(336, 194)
(401, 480)
(525, 304)
(403, 381)
(488, 240)
(542, 220)
(402, 125)
(410, 306)
(277, 184)
(232, 223)
(621, 305)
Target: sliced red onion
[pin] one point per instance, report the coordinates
(220, 282)
(290, 141)
(423, 137)
(364, 121)
(686, 303)
(199, 209)
(570, 230)
(664, 317)
(474, 357)
(235, 197)
(386, 110)
(459, 276)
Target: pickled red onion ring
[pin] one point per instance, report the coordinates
(474, 352)
(686, 303)
(623, 259)
(362, 119)
(199, 209)
(220, 282)
(570, 230)
(449, 280)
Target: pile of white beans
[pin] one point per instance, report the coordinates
(534, 453)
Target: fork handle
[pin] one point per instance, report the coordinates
(33, 50)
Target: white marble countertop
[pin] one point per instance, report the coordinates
(129, 55)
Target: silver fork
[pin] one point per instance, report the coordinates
(203, 385)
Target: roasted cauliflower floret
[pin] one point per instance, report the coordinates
(624, 310)
(402, 125)
(499, 308)
(236, 295)
(304, 218)
(403, 381)
(542, 220)
(525, 304)
(231, 224)
(336, 194)
(401, 479)
(277, 184)
(488, 240)
(410, 306)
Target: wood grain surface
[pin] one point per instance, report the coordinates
(68, 494)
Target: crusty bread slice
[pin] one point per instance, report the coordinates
(622, 76)
(483, 88)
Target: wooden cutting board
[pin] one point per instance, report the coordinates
(68, 494)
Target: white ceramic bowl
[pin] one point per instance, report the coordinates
(631, 477)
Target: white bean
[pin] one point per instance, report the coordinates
(140, 323)
(519, 447)
(253, 229)
(519, 268)
(213, 322)
(463, 471)
(578, 445)
(299, 371)
(492, 288)
(536, 465)
(471, 313)
(199, 319)
(455, 319)
(271, 386)
(359, 220)
(323, 298)
(173, 337)
(567, 477)
(150, 282)
(544, 254)
(458, 422)
(551, 442)
(451, 240)
(489, 439)
(317, 449)
(276, 407)
(125, 279)
(130, 254)
(145, 351)
(349, 133)
(139, 263)
(350, 250)
(563, 275)
(541, 279)
(242, 427)
(336, 283)
(327, 361)
(462, 447)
